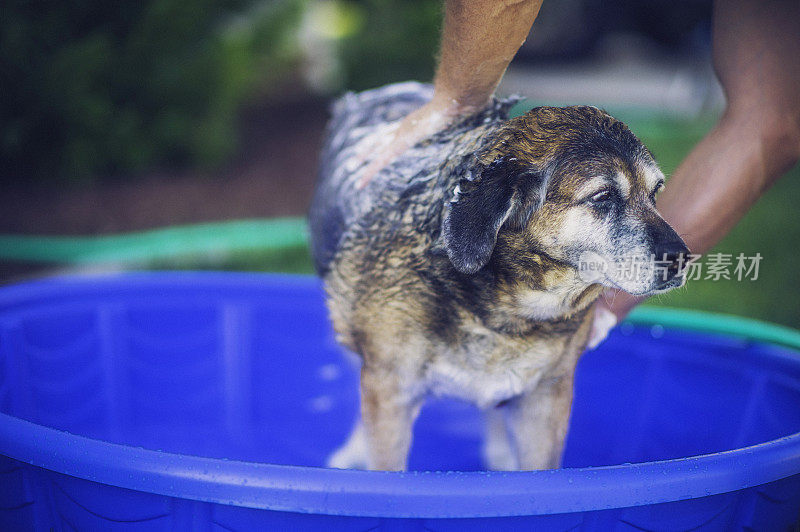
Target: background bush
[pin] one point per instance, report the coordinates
(394, 41)
(96, 87)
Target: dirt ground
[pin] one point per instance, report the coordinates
(272, 175)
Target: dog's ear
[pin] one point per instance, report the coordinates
(485, 198)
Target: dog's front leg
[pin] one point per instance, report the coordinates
(498, 451)
(539, 421)
(388, 412)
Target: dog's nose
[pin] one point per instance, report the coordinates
(674, 255)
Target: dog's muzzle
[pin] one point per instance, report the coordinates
(674, 258)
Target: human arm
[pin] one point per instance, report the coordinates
(479, 39)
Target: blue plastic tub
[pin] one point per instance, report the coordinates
(209, 402)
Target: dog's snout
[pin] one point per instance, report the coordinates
(673, 251)
(675, 255)
(669, 250)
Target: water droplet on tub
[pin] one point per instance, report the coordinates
(657, 331)
(320, 404)
(329, 372)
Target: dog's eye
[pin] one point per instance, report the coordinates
(601, 197)
(656, 190)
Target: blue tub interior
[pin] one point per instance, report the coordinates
(214, 367)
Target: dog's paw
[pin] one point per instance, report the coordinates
(498, 455)
(499, 459)
(347, 457)
(353, 454)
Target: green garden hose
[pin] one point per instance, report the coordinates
(158, 244)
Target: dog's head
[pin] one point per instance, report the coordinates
(574, 185)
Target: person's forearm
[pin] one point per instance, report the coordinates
(718, 183)
(479, 39)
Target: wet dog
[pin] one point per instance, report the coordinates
(468, 266)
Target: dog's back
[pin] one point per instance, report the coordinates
(338, 203)
(336, 200)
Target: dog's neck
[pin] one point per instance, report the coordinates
(538, 290)
(558, 301)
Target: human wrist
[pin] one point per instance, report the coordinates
(451, 104)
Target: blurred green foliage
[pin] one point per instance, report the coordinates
(96, 88)
(394, 41)
(106, 87)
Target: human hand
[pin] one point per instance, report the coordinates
(378, 151)
(479, 39)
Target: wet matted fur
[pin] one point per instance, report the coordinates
(455, 271)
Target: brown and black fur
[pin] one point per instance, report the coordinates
(447, 274)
